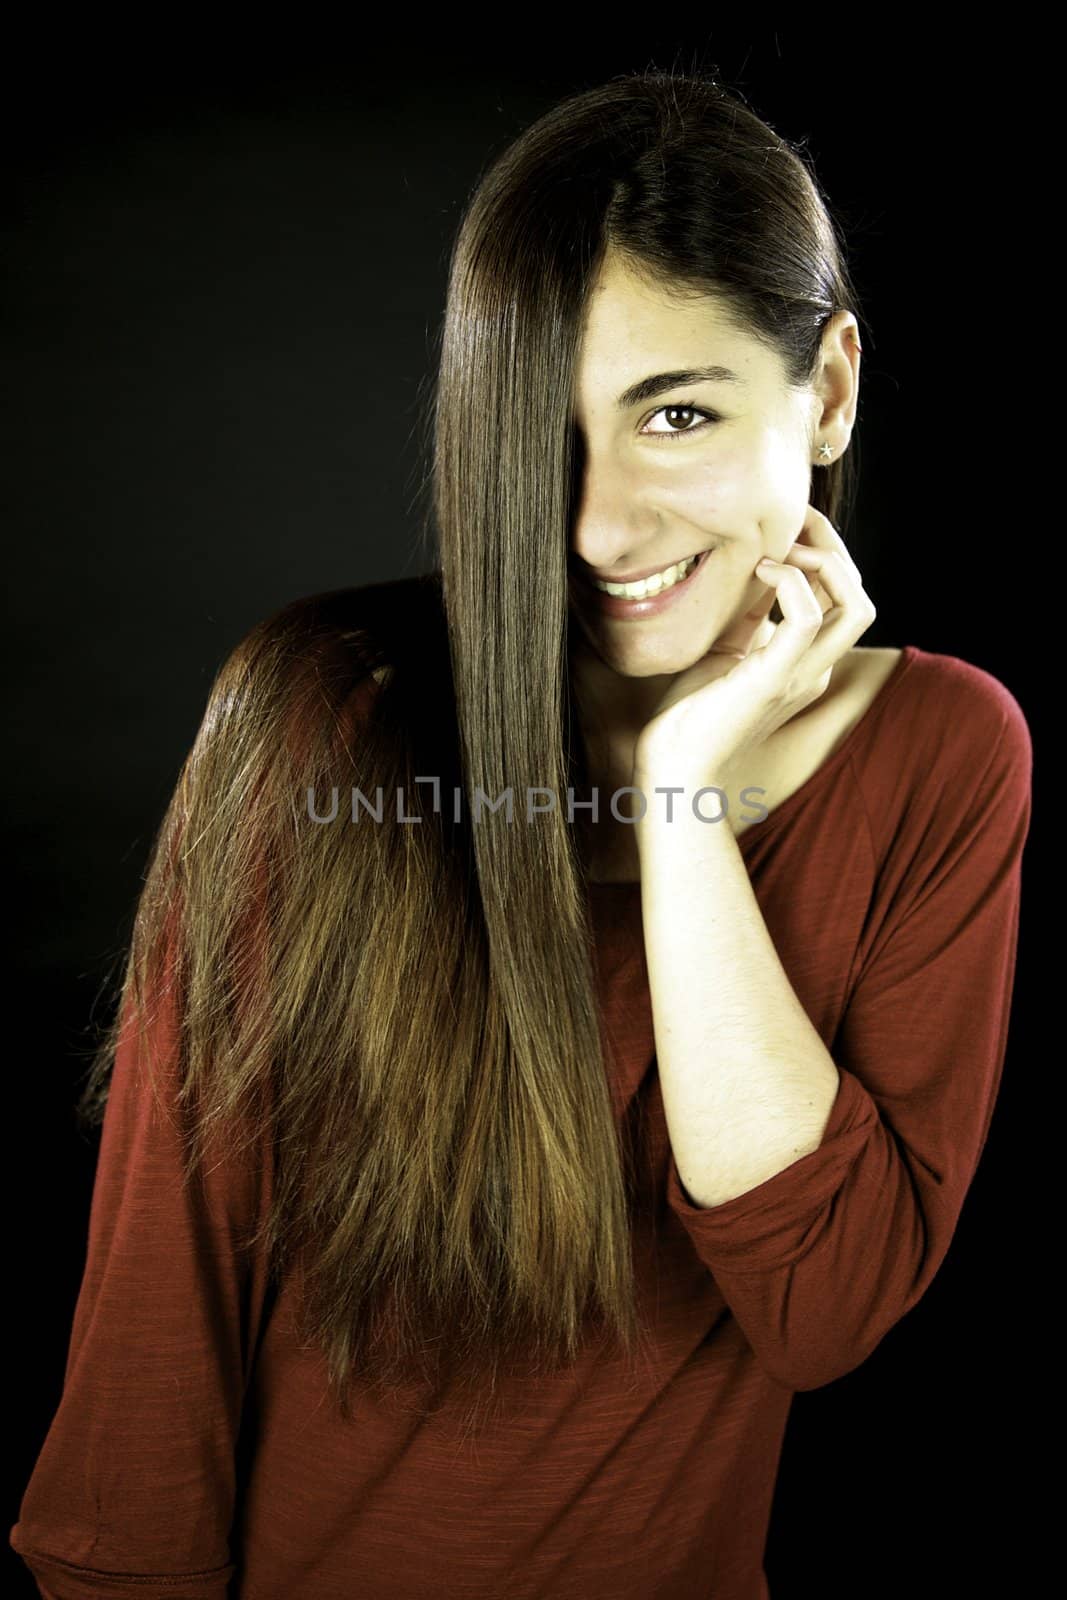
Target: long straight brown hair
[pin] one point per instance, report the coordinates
(405, 1015)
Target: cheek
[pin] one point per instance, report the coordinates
(720, 486)
(783, 466)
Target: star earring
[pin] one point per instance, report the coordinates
(826, 452)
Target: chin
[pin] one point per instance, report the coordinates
(656, 658)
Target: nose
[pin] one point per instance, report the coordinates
(611, 530)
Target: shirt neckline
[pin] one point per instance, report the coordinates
(799, 797)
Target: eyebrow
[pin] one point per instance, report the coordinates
(659, 382)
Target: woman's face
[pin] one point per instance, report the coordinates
(662, 483)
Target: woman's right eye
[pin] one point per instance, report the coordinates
(680, 433)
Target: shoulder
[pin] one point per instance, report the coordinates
(957, 709)
(947, 742)
(936, 696)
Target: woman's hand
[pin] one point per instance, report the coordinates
(735, 697)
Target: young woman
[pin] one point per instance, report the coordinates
(481, 1174)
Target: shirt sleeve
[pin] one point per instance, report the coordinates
(133, 1490)
(819, 1262)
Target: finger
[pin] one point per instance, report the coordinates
(790, 656)
(802, 615)
(851, 605)
(809, 561)
(827, 638)
(818, 532)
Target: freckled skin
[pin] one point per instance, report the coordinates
(742, 483)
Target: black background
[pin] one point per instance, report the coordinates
(225, 266)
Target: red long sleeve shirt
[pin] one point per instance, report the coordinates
(890, 883)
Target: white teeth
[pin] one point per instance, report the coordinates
(653, 585)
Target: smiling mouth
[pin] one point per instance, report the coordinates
(655, 583)
(651, 584)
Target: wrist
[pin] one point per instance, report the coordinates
(668, 753)
(681, 803)
(661, 771)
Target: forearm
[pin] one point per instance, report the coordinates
(747, 1083)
